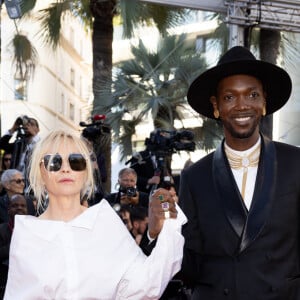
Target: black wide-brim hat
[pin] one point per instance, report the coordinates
(239, 60)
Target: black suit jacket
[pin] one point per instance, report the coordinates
(230, 252)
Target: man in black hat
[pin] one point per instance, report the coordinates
(243, 200)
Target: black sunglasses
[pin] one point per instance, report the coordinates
(18, 181)
(6, 158)
(53, 162)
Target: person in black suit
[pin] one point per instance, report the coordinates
(242, 240)
(145, 165)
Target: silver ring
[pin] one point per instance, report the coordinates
(167, 214)
(165, 206)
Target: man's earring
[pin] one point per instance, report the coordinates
(264, 111)
(216, 114)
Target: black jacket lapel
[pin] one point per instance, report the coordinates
(228, 192)
(263, 193)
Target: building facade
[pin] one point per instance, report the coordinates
(58, 92)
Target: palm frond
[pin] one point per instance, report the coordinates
(131, 12)
(166, 17)
(25, 56)
(50, 19)
(81, 9)
(27, 6)
(135, 13)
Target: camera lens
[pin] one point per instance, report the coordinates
(131, 192)
(19, 121)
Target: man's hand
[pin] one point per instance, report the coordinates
(14, 127)
(161, 207)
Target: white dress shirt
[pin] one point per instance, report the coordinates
(91, 257)
(251, 178)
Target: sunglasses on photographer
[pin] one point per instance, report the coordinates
(53, 162)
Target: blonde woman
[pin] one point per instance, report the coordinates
(74, 252)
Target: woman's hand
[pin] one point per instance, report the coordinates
(161, 207)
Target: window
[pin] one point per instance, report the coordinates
(71, 111)
(72, 36)
(72, 77)
(20, 89)
(80, 87)
(61, 105)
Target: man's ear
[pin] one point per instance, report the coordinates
(213, 101)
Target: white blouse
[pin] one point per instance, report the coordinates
(91, 257)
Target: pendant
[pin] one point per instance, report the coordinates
(245, 162)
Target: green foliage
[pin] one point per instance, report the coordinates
(27, 6)
(81, 9)
(152, 85)
(135, 12)
(50, 19)
(210, 134)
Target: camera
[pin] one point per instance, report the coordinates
(166, 141)
(22, 121)
(95, 129)
(128, 191)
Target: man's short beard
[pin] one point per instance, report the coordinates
(240, 135)
(244, 135)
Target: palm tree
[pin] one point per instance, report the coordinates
(153, 85)
(103, 12)
(25, 55)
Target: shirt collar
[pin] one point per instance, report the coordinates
(87, 219)
(246, 152)
(48, 230)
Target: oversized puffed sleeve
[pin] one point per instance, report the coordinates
(148, 277)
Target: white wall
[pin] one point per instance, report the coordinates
(51, 79)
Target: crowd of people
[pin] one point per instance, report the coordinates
(227, 228)
(16, 146)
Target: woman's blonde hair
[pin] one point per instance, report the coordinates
(52, 142)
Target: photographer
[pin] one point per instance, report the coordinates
(95, 134)
(144, 163)
(127, 194)
(26, 130)
(154, 164)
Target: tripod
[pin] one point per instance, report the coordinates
(163, 169)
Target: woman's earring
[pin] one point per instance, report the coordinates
(216, 114)
(264, 112)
